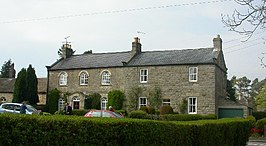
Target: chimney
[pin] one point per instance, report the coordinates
(136, 47)
(12, 71)
(67, 51)
(217, 43)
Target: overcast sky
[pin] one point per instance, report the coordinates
(32, 31)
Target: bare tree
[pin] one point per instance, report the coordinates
(255, 16)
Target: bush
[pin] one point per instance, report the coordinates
(75, 130)
(138, 114)
(186, 117)
(166, 109)
(93, 101)
(79, 112)
(259, 115)
(151, 110)
(53, 98)
(144, 108)
(260, 123)
(116, 99)
(252, 120)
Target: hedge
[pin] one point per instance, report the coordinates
(186, 117)
(260, 123)
(77, 130)
(259, 115)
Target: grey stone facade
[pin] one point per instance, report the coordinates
(168, 70)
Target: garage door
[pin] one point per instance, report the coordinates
(230, 112)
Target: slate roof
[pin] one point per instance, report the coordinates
(167, 57)
(95, 60)
(7, 85)
(174, 57)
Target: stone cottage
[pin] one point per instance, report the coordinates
(7, 87)
(195, 75)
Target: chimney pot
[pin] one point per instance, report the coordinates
(217, 43)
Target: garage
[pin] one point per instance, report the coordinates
(230, 112)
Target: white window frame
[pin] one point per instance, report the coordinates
(142, 101)
(193, 74)
(192, 105)
(63, 79)
(164, 102)
(83, 78)
(143, 74)
(106, 78)
(104, 101)
(75, 99)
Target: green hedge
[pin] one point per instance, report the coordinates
(186, 117)
(260, 123)
(77, 130)
(259, 115)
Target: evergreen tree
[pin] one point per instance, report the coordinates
(19, 93)
(6, 69)
(231, 91)
(52, 103)
(31, 86)
(261, 99)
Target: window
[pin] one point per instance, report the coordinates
(63, 79)
(61, 104)
(106, 78)
(142, 101)
(3, 99)
(166, 102)
(76, 101)
(192, 105)
(143, 75)
(84, 78)
(193, 74)
(104, 103)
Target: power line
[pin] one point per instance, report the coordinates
(242, 48)
(240, 44)
(115, 11)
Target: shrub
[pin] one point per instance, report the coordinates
(53, 98)
(93, 101)
(144, 108)
(260, 123)
(186, 117)
(79, 112)
(259, 115)
(75, 130)
(252, 120)
(138, 114)
(116, 99)
(166, 109)
(151, 110)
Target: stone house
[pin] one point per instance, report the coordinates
(7, 89)
(195, 75)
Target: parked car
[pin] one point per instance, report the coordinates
(15, 108)
(102, 113)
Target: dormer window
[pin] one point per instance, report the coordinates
(106, 78)
(63, 79)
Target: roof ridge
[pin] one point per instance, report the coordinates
(177, 50)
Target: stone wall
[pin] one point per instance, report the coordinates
(173, 81)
